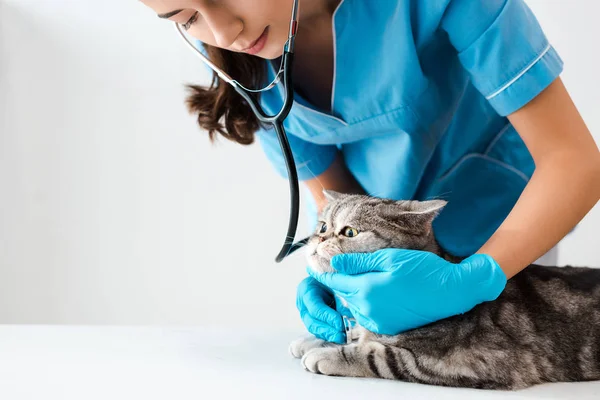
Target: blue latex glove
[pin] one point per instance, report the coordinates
(391, 291)
(320, 312)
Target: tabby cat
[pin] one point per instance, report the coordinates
(544, 327)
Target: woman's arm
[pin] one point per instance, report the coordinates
(336, 177)
(563, 189)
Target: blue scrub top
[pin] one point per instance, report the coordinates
(420, 96)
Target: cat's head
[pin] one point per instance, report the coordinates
(362, 224)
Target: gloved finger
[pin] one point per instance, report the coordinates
(310, 285)
(322, 330)
(344, 285)
(300, 305)
(360, 263)
(341, 309)
(362, 320)
(317, 308)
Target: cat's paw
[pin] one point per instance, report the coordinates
(324, 361)
(301, 346)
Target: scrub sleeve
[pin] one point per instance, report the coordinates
(504, 49)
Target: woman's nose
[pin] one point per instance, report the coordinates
(224, 25)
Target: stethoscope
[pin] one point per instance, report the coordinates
(276, 121)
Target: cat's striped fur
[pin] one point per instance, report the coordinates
(544, 327)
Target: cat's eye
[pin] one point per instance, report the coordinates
(349, 232)
(323, 228)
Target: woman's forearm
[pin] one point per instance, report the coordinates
(558, 196)
(563, 189)
(337, 178)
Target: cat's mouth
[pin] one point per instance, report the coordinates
(318, 262)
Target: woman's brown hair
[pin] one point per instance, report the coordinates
(220, 109)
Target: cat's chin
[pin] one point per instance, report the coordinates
(319, 263)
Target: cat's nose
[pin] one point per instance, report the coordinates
(321, 239)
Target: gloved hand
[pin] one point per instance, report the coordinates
(391, 291)
(320, 312)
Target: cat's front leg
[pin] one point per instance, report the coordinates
(302, 345)
(361, 360)
(372, 359)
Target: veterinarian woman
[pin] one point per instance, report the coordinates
(410, 99)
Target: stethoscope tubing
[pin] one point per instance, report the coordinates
(276, 121)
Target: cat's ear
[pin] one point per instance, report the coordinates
(331, 195)
(422, 213)
(433, 207)
(415, 215)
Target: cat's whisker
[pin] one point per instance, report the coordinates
(376, 194)
(439, 196)
(315, 176)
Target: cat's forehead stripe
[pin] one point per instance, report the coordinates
(339, 211)
(345, 212)
(342, 216)
(336, 208)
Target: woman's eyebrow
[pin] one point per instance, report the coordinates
(169, 14)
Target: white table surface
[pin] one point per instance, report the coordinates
(77, 363)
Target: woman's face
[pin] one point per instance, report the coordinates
(258, 27)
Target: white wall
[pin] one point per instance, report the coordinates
(115, 209)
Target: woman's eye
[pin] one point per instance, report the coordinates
(191, 21)
(323, 228)
(349, 232)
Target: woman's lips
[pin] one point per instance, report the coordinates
(259, 44)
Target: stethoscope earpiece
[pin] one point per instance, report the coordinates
(276, 121)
